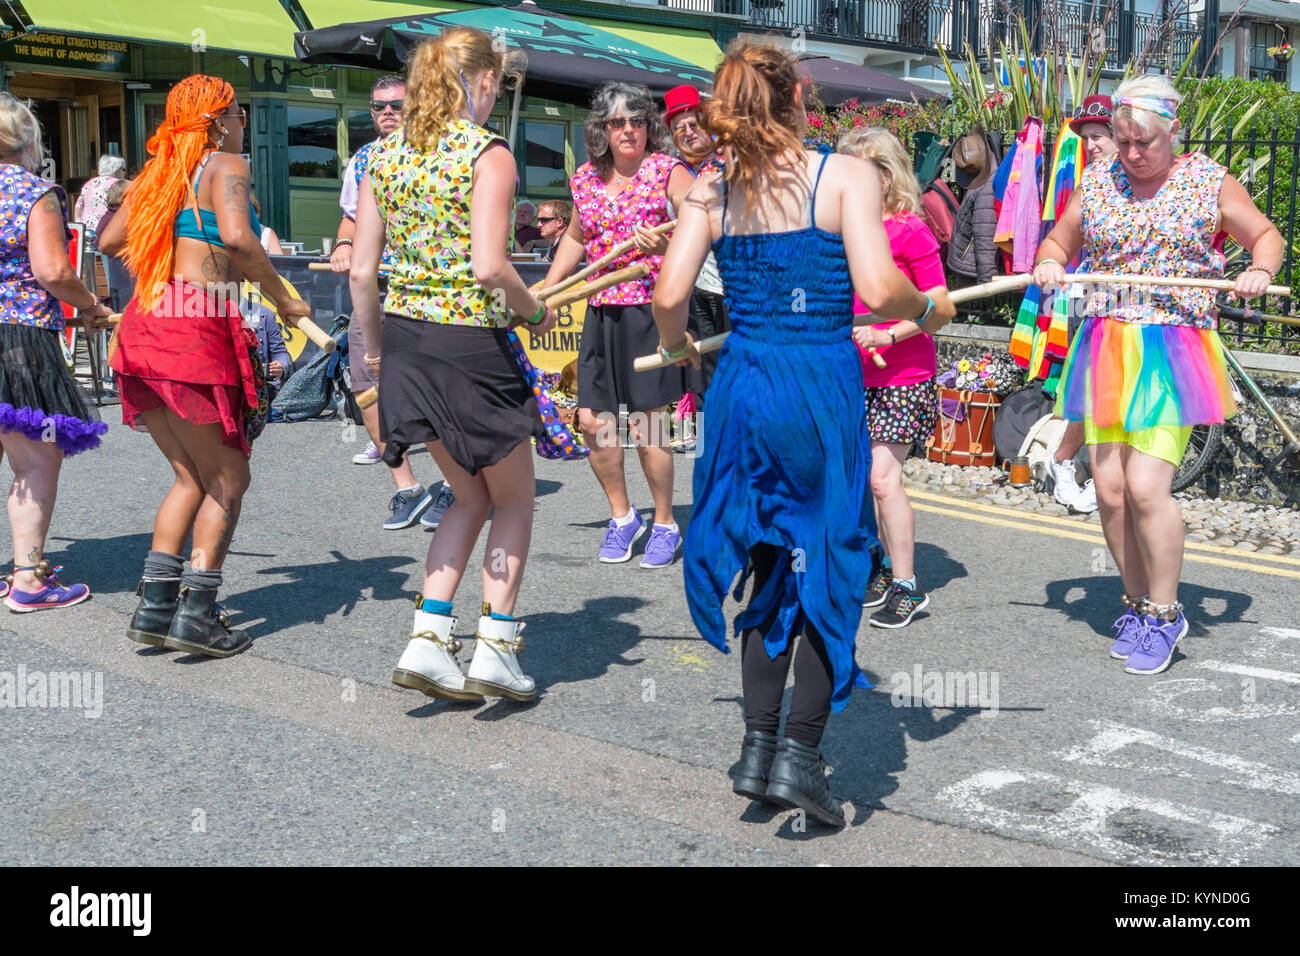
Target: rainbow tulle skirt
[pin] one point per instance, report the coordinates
(1136, 376)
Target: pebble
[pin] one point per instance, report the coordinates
(1264, 529)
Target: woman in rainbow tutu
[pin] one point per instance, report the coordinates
(1147, 363)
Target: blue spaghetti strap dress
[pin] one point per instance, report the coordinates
(785, 459)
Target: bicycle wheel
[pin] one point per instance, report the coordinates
(1202, 448)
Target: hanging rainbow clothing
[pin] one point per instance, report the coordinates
(1040, 339)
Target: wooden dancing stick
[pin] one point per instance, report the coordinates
(1011, 284)
(556, 301)
(603, 261)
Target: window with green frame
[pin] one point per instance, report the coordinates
(548, 146)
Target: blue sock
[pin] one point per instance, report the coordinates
(436, 607)
(887, 564)
(909, 583)
(501, 617)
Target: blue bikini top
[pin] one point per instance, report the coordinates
(187, 228)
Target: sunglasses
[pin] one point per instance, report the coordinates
(636, 122)
(549, 219)
(378, 106)
(1094, 109)
(687, 125)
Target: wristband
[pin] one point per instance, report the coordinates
(929, 308)
(1048, 261)
(370, 358)
(673, 356)
(537, 316)
(342, 242)
(1264, 269)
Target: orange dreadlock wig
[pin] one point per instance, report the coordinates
(163, 188)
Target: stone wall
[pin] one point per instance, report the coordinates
(1244, 469)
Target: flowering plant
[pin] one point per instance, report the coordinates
(988, 372)
(1282, 51)
(827, 125)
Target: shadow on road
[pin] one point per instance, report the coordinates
(935, 567)
(313, 592)
(108, 565)
(1098, 606)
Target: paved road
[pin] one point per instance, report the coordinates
(301, 752)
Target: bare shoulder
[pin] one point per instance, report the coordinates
(706, 188)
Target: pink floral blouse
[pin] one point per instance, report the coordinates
(607, 221)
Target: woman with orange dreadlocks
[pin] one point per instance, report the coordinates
(189, 234)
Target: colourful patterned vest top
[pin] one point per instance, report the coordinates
(1171, 234)
(424, 196)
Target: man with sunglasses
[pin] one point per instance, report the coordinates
(708, 311)
(552, 221)
(412, 502)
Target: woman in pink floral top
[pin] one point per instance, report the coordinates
(622, 193)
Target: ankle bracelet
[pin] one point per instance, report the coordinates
(1132, 605)
(42, 569)
(1162, 610)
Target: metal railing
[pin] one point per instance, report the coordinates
(920, 25)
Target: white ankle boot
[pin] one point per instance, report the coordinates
(428, 664)
(495, 670)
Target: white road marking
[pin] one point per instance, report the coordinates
(1112, 737)
(1281, 632)
(1088, 820)
(1263, 673)
(1164, 693)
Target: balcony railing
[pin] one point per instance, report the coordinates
(918, 25)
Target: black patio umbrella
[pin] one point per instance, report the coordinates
(837, 81)
(567, 59)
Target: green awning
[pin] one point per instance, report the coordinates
(696, 47)
(241, 26)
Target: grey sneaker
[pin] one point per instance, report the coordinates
(444, 500)
(407, 507)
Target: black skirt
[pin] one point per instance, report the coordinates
(613, 337)
(39, 398)
(456, 384)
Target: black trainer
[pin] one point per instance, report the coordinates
(749, 774)
(797, 780)
(878, 589)
(153, 618)
(902, 606)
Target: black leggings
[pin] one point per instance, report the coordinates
(763, 678)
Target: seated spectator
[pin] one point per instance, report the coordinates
(275, 356)
(525, 232)
(552, 221)
(270, 241)
(91, 201)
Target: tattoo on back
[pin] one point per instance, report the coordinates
(216, 266)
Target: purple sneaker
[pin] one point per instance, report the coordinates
(1155, 645)
(53, 594)
(1127, 633)
(617, 547)
(662, 547)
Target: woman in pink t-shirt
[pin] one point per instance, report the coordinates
(901, 399)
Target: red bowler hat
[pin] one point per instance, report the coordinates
(680, 98)
(1095, 109)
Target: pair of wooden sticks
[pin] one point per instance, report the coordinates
(648, 363)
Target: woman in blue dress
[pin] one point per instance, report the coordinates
(781, 482)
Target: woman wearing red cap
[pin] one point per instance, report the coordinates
(708, 311)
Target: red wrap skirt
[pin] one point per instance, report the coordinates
(189, 355)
